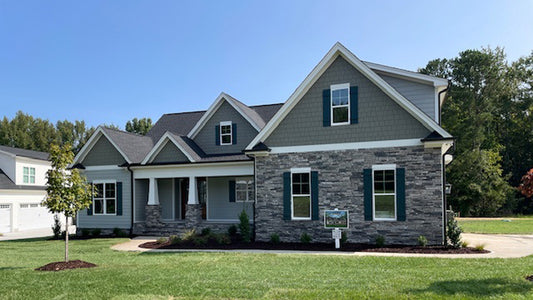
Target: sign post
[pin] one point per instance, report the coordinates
(336, 219)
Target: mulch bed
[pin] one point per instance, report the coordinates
(62, 265)
(348, 247)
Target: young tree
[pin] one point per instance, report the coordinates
(68, 191)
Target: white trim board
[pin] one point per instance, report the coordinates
(92, 141)
(406, 74)
(339, 50)
(348, 146)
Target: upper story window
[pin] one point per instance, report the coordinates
(226, 133)
(244, 190)
(105, 200)
(301, 194)
(28, 175)
(384, 192)
(340, 104)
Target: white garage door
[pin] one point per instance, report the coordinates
(5, 218)
(34, 216)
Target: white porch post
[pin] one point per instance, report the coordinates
(193, 199)
(153, 197)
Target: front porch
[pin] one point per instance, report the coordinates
(164, 203)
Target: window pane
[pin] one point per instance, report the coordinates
(340, 114)
(32, 171)
(389, 175)
(110, 208)
(384, 206)
(378, 176)
(226, 129)
(301, 207)
(99, 190)
(32, 179)
(305, 178)
(98, 206)
(241, 195)
(25, 171)
(339, 97)
(226, 139)
(26, 179)
(110, 190)
(251, 195)
(305, 188)
(389, 187)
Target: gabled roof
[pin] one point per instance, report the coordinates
(339, 50)
(7, 184)
(131, 146)
(25, 153)
(178, 141)
(247, 113)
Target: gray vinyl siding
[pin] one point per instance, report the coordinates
(100, 221)
(141, 199)
(218, 205)
(380, 118)
(103, 153)
(421, 95)
(206, 137)
(170, 153)
(166, 199)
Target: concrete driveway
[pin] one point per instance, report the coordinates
(34, 233)
(502, 245)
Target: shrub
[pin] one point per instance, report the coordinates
(453, 232)
(232, 230)
(244, 227)
(119, 232)
(96, 232)
(85, 232)
(380, 241)
(480, 247)
(189, 235)
(161, 240)
(422, 241)
(200, 240)
(274, 238)
(206, 231)
(464, 244)
(344, 237)
(305, 238)
(222, 239)
(56, 228)
(174, 239)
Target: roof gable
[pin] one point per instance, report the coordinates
(339, 50)
(171, 139)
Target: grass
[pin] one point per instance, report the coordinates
(126, 275)
(522, 225)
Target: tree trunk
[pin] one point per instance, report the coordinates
(66, 240)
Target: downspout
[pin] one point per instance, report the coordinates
(438, 97)
(255, 197)
(131, 193)
(451, 150)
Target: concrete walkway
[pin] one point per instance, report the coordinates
(501, 246)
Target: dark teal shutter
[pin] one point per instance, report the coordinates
(90, 208)
(232, 191)
(287, 196)
(234, 133)
(367, 185)
(354, 104)
(314, 195)
(217, 135)
(400, 194)
(119, 198)
(326, 107)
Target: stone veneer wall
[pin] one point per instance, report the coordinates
(193, 220)
(340, 175)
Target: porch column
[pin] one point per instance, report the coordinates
(193, 199)
(153, 197)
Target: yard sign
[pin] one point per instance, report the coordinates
(336, 219)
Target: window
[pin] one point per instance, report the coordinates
(28, 175)
(244, 191)
(384, 192)
(340, 104)
(225, 133)
(105, 200)
(301, 195)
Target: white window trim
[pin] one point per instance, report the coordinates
(29, 175)
(384, 168)
(226, 123)
(335, 87)
(301, 171)
(249, 186)
(104, 206)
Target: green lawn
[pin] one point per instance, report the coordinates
(522, 225)
(123, 275)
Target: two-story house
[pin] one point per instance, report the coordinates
(353, 136)
(22, 189)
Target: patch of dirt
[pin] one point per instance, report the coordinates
(530, 277)
(62, 265)
(348, 247)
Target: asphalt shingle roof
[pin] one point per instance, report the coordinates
(135, 146)
(25, 153)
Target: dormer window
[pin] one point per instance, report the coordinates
(226, 133)
(340, 104)
(28, 175)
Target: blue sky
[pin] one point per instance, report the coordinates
(110, 61)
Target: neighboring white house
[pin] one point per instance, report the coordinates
(22, 189)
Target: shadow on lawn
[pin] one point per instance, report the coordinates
(477, 287)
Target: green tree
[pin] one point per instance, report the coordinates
(68, 191)
(139, 126)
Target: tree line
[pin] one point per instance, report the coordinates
(489, 110)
